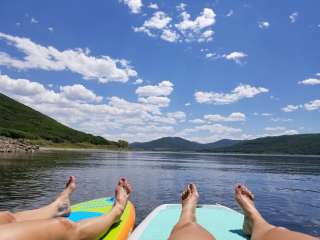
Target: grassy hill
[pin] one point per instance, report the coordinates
(308, 144)
(20, 121)
(179, 144)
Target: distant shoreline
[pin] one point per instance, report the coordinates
(175, 152)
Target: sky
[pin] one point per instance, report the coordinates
(139, 70)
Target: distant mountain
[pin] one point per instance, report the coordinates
(308, 144)
(20, 121)
(180, 144)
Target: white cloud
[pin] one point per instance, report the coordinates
(240, 92)
(158, 25)
(134, 5)
(33, 20)
(281, 119)
(212, 128)
(291, 108)
(272, 129)
(104, 69)
(18, 24)
(162, 89)
(278, 131)
(293, 17)
(206, 36)
(310, 81)
(155, 100)
(81, 109)
(233, 117)
(138, 81)
(181, 7)
(197, 29)
(50, 29)
(210, 55)
(312, 105)
(179, 115)
(78, 92)
(235, 56)
(153, 6)
(263, 24)
(169, 35)
(230, 13)
(159, 20)
(187, 30)
(266, 114)
(197, 121)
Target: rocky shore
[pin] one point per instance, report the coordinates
(9, 145)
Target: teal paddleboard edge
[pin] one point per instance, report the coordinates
(222, 222)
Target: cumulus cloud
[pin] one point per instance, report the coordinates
(263, 24)
(211, 128)
(293, 17)
(197, 121)
(50, 29)
(235, 56)
(153, 6)
(186, 30)
(78, 92)
(164, 88)
(138, 81)
(233, 117)
(240, 92)
(80, 108)
(312, 105)
(278, 131)
(179, 115)
(158, 25)
(291, 108)
(197, 29)
(104, 69)
(310, 81)
(134, 5)
(169, 35)
(181, 7)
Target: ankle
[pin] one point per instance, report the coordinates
(118, 210)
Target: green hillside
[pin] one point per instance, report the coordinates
(20, 121)
(308, 144)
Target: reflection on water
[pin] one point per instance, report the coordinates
(287, 189)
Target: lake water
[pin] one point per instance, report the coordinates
(287, 189)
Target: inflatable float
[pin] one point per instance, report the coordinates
(98, 207)
(224, 223)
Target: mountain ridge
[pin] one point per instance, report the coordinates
(306, 144)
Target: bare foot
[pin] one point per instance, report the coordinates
(63, 201)
(189, 198)
(245, 199)
(122, 194)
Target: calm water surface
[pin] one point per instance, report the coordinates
(287, 189)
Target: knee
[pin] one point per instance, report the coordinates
(7, 217)
(66, 225)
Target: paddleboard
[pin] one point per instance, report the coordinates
(98, 207)
(222, 222)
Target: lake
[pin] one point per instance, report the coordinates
(287, 189)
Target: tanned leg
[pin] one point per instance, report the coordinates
(256, 226)
(60, 207)
(187, 227)
(64, 229)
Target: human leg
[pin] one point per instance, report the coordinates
(187, 226)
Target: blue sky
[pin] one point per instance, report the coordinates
(140, 70)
